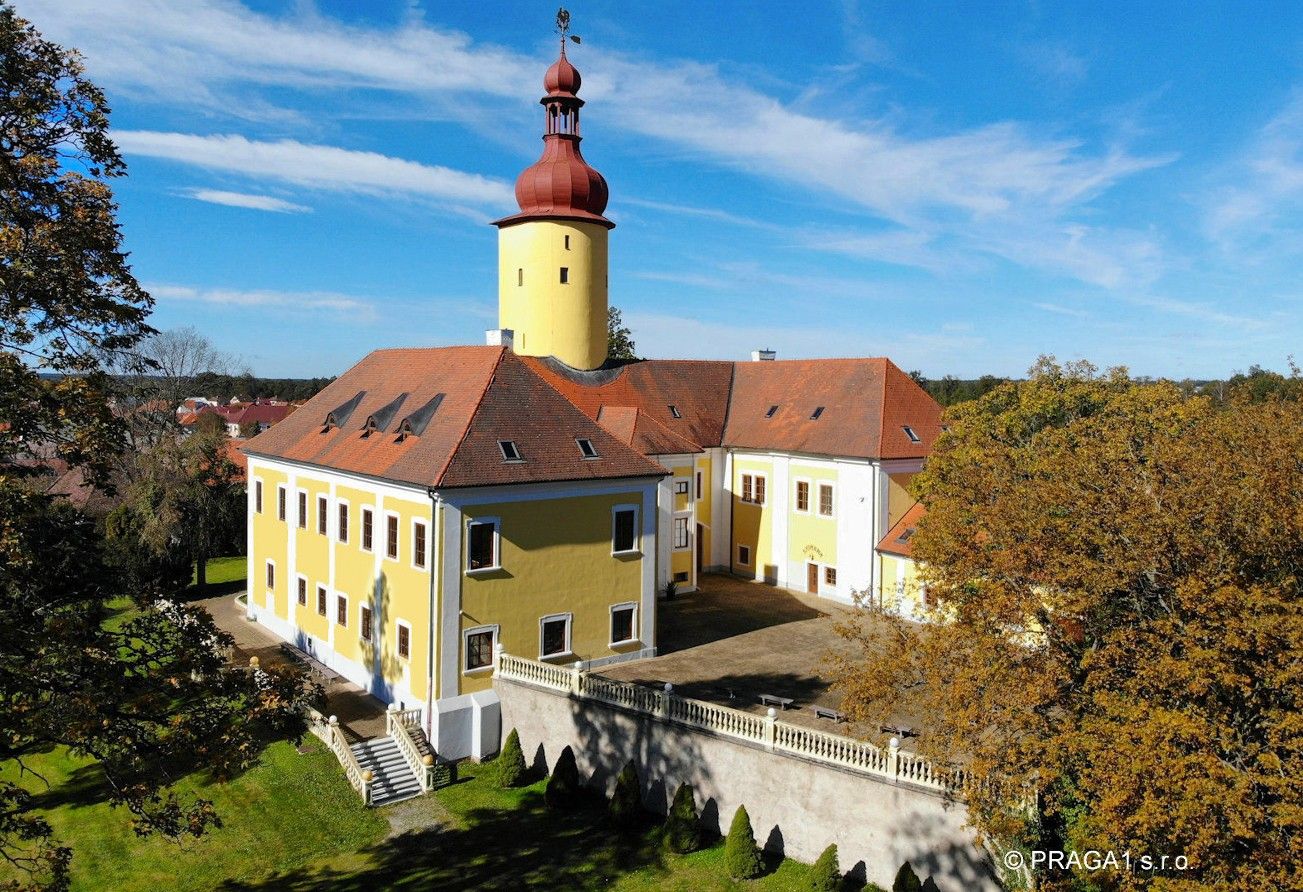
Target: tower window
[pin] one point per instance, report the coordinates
(567, 243)
(565, 275)
(509, 450)
(520, 276)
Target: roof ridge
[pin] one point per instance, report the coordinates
(470, 417)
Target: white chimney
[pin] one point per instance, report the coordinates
(763, 355)
(500, 337)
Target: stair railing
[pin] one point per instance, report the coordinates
(397, 725)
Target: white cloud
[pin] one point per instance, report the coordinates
(306, 301)
(317, 166)
(245, 200)
(1055, 60)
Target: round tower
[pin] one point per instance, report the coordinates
(552, 255)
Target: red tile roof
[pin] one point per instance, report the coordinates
(644, 433)
(900, 538)
(485, 395)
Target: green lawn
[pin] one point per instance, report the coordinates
(293, 823)
(225, 570)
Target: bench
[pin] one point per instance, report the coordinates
(771, 700)
(902, 731)
(827, 712)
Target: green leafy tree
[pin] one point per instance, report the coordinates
(619, 339)
(741, 854)
(625, 806)
(826, 876)
(511, 762)
(1117, 564)
(683, 825)
(562, 790)
(906, 880)
(248, 429)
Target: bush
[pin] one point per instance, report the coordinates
(906, 880)
(930, 885)
(563, 786)
(626, 799)
(827, 875)
(873, 887)
(682, 826)
(741, 854)
(511, 762)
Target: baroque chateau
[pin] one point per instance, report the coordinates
(433, 505)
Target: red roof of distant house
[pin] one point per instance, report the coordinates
(900, 538)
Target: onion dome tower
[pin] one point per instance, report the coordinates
(552, 273)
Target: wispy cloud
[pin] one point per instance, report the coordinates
(303, 301)
(317, 166)
(1055, 61)
(245, 200)
(1061, 310)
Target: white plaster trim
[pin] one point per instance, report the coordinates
(466, 634)
(497, 545)
(633, 626)
(568, 650)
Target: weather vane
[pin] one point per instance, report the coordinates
(563, 26)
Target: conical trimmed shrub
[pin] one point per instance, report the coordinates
(511, 762)
(741, 854)
(827, 875)
(682, 825)
(563, 786)
(626, 799)
(930, 885)
(906, 880)
(872, 887)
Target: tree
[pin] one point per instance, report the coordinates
(906, 880)
(1116, 567)
(562, 790)
(619, 339)
(625, 806)
(248, 429)
(682, 825)
(826, 875)
(511, 762)
(741, 854)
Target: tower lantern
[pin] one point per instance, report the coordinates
(552, 255)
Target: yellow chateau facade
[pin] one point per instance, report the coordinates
(433, 505)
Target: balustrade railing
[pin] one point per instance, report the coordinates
(399, 724)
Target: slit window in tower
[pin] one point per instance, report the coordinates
(565, 275)
(520, 276)
(567, 243)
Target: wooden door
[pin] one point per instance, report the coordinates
(812, 578)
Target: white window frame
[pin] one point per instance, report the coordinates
(569, 650)
(283, 498)
(809, 492)
(398, 536)
(687, 528)
(832, 487)
(343, 503)
(274, 576)
(757, 476)
(687, 487)
(637, 530)
(747, 549)
(466, 648)
(301, 501)
(335, 621)
(258, 493)
(497, 545)
(425, 552)
(748, 497)
(316, 608)
(361, 529)
(399, 623)
(323, 502)
(633, 625)
(299, 577)
(363, 606)
(823, 581)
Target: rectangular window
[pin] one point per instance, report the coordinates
(341, 610)
(323, 514)
(830, 575)
(623, 622)
(802, 495)
(280, 503)
(909, 432)
(586, 448)
(303, 510)
(257, 496)
(748, 490)
(321, 600)
(554, 636)
(482, 550)
(567, 243)
(418, 543)
(698, 486)
(744, 555)
(682, 576)
(825, 499)
(479, 649)
(391, 537)
(818, 410)
(271, 575)
(365, 622)
(760, 490)
(681, 532)
(520, 276)
(367, 531)
(343, 523)
(510, 452)
(303, 592)
(674, 412)
(624, 530)
(404, 641)
(565, 275)
(681, 487)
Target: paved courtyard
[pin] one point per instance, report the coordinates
(734, 640)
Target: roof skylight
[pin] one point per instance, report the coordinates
(674, 411)
(818, 410)
(509, 450)
(909, 432)
(586, 447)
(772, 410)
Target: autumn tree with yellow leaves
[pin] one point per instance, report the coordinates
(1118, 632)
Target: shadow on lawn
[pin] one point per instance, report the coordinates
(211, 590)
(526, 847)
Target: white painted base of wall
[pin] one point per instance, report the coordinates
(621, 658)
(467, 726)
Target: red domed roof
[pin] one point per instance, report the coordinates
(562, 78)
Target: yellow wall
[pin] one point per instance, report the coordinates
(312, 559)
(270, 540)
(704, 506)
(893, 598)
(556, 558)
(898, 498)
(548, 318)
(682, 561)
(752, 524)
(811, 537)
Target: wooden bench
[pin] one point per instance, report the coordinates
(771, 700)
(902, 731)
(827, 712)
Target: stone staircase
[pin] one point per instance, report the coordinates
(394, 779)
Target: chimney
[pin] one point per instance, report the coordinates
(763, 355)
(500, 337)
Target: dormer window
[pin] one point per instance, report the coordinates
(509, 450)
(814, 416)
(586, 447)
(909, 432)
(905, 535)
(674, 412)
(772, 410)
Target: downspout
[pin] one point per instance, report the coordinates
(436, 565)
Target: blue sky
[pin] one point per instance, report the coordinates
(961, 188)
